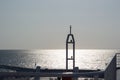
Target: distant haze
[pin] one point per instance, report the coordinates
(44, 24)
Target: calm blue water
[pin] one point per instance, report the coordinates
(85, 58)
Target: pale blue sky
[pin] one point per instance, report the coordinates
(44, 24)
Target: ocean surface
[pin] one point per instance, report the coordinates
(56, 59)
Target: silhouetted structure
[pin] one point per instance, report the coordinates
(70, 40)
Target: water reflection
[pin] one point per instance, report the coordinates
(85, 59)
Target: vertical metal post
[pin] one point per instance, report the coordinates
(73, 55)
(66, 55)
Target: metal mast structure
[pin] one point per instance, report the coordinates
(70, 41)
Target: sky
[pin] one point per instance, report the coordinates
(44, 24)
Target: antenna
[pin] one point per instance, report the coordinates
(70, 29)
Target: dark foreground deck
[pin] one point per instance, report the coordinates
(99, 74)
(29, 72)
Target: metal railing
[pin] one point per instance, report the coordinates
(118, 60)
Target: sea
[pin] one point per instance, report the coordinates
(56, 58)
